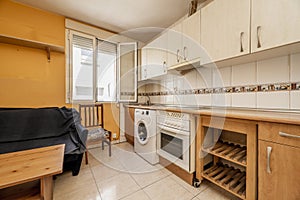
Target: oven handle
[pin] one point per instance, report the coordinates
(172, 130)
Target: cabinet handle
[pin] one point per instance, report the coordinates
(258, 32)
(165, 66)
(269, 150)
(241, 41)
(177, 55)
(184, 53)
(282, 134)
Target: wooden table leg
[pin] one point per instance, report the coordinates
(47, 188)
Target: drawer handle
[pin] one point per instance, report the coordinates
(269, 150)
(282, 134)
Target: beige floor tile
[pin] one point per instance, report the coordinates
(67, 183)
(135, 164)
(92, 161)
(125, 146)
(147, 178)
(189, 187)
(215, 193)
(167, 189)
(87, 192)
(139, 195)
(105, 159)
(117, 187)
(102, 172)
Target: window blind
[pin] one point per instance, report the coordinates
(106, 47)
(82, 42)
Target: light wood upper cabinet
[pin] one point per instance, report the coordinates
(225, 29)
(191, 37)
(274, 23)
(174, 45)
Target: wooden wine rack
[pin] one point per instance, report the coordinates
(230, 179)
(233, 164)
(230, 152)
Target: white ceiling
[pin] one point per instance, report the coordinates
(129, 16)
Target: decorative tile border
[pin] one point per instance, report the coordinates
(235, 89)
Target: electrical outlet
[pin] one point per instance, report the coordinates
(114, 135)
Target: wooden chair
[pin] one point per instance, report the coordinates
(92, 119)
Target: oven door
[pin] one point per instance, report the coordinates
(173, 145)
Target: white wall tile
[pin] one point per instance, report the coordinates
(179, 83)
(295, 100)
(244, 74)
(178, 99)
(247, 100)
(155, 99)
(274, 70)
(141, 99)
(295, 67)
(203, 99)
(273, 100)
(168, 99)
(191, 79)
(169, 85)
(190, 100)
(222, 99)
(222, 77)
(204, 77)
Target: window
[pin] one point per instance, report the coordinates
(100, 71)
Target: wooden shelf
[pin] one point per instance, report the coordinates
(32, 44)
(231, 152)
(228, 178)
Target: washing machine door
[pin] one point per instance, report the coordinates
(142, 132)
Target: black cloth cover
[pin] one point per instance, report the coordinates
(27, 128)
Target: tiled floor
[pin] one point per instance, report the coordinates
(127, 176)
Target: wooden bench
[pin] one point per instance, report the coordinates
(25, 166)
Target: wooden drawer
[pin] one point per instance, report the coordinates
(271, 132)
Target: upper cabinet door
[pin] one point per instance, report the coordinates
(157, 56)
(174, 51)
(191, 37)
(274, 23)
(225, 29)
(157, 51)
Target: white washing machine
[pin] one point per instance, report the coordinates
(145, 135)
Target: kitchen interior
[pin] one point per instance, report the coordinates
(206, 106)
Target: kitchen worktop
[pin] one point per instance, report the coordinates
(289, 117)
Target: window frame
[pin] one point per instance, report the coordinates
(69, 68)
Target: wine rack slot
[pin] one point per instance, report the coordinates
(231, 152)
(230, 179)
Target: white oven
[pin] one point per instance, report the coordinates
(176, 139)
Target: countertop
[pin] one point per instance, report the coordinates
(288, 117)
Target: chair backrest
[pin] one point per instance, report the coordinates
(91, 115)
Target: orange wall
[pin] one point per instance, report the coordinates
(27, 79)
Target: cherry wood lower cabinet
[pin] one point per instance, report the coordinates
(279, 161)
(227, 154)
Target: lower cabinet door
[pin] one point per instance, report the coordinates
(278, 171)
